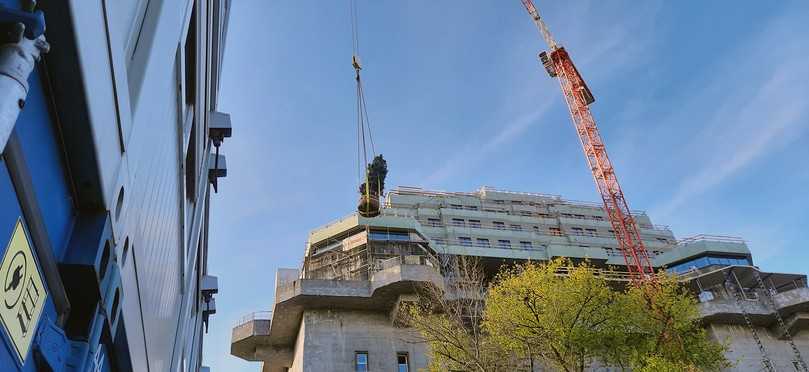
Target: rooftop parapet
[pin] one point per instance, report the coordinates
(698, 245)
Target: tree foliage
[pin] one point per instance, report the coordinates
(449, 320)
(377, 171)
(567, 322)
(567, 318)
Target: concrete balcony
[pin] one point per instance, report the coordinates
(792, 305)
(792, 301)
(252, 331)
(728, 311)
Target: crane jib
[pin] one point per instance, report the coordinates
(580, 84)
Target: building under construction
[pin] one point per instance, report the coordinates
(337, 311)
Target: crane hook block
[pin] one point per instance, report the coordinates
(355, 61)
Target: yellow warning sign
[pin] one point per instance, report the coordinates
(22, 292)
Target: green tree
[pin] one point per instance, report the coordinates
(669, 334)
(565, 321)
(569, 318)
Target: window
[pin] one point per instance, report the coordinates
(361, 361)
(435, 222)
(580, 216)
(555, 231)
(701, 262)
(598, 218)
(526, 245)
(465, 241)
(591, 232)
(402, 362)
(471, 207)
(191, 60)
(536, 228)
(499, 225)
(504, 244)
(526, 213)
(474, 223)
(516, 202)
(516, 227)
(545, 215)
(400, 236)
(610, 251)
(499, 202)
(483, 242)
(456, 206)
(577, 231)
(458, 222)
(662, 240)
(440, 241)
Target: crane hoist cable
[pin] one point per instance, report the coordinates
(374, 176)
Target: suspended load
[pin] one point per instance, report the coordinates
(371, 190)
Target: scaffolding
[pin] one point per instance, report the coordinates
(360, 254)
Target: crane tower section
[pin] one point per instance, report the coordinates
(557, 63)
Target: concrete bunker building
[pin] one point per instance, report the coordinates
(337, 313)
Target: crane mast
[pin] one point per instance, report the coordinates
(557, 63)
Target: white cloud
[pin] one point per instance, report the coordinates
(474, 153)
(747, 124)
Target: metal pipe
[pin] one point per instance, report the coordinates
(17, 59)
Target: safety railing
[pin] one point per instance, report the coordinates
(533, 194)
(407, 260)
(256, 315)
(711, 238)
(602, 273)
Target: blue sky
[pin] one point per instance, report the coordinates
(703, 106)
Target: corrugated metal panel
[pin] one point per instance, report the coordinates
(155, 181)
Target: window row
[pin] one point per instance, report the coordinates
(400, 236)
(554, 231)
(701, 262)
(525, 212)
(361, 362)
(484, 242)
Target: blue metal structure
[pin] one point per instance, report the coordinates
(107, 168)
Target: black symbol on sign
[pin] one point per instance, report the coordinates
(13, 278)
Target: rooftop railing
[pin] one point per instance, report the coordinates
(711, 238)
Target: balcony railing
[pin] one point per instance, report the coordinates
(408, 260)
(256, 315)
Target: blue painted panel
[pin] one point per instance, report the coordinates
(43, 155)
(9, 213)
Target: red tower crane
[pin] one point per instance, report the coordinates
(558, 64)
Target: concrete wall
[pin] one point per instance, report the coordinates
(744, 352)
(328, 339)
